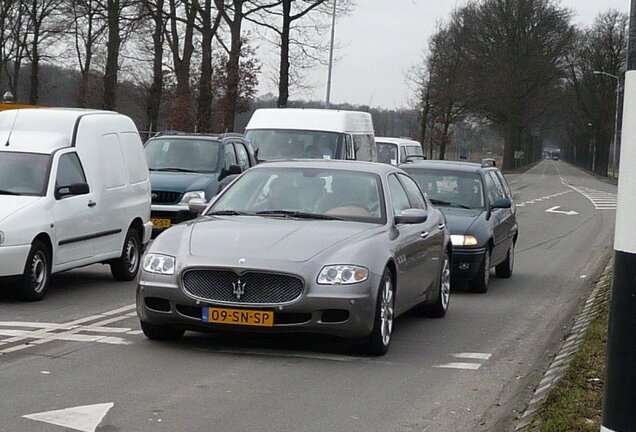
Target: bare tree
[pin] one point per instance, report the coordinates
(208, 27)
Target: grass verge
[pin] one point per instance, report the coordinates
(574, 403)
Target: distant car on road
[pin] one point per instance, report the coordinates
(185, 166)
(478, 205)
(397, 151)
(331, 247)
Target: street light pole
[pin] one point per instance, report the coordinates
(333, 32)
(618, 101)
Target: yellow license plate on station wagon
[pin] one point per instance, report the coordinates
(161, 223)
(246, 317)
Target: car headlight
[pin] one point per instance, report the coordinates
(464, 240)
(159, 264)
(1, 237)
(192, 195)
(342, 275)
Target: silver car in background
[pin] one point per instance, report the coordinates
(332, 247)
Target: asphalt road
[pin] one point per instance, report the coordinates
(467, 372)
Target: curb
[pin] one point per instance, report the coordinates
(529, 422)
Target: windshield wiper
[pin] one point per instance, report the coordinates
(8, 192)
(229, 213)
(448, 203)
(297, 214)
(175, 170)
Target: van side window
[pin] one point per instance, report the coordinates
(230, 156)
(349, 148)
(69, 171)
(363, 144)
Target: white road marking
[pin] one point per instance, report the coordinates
(474, 356)
(468, 366)
(567, 213)
(601, 200)
(540, 199)
(84, 418)
(309, 356)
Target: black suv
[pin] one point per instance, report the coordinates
(185, 166)
(480, 213)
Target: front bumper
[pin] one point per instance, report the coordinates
(176, 213)
(346, 311)
(13, 259)
(466, 262)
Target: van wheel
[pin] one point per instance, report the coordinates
(37, 272)
(126, 267)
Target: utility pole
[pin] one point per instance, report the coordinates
(619, 399)
(333, 32)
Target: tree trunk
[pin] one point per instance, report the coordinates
(204, 105)
(511, 144)
(35, 68)
(426, 107)
(445, 140)
(283, 80)
(156, 88)
(233, 77)
(112, 55)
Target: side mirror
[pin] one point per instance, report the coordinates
(411, 216)
(72, 190)
(197, 205)
(234, 170)
(501, 203)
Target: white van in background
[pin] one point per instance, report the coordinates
(396, 151)
(74, 190)
(291, 133)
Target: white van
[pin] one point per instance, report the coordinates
(396, 151)
(291, 133)
(74, 191)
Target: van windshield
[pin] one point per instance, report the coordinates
(24, 173)
(273, 144)
(183, 155)
(387, 152)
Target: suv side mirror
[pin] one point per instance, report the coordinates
(411, 216)
(72, 190)
(501, 203)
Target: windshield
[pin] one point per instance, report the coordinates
(324, 194)
(24, 173)
(295, 144)
(452, 189)
(387, 153)
(183, 154)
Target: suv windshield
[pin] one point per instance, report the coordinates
(183, 155)
(279, 144)
(305, 192)
(452, 189)
(24, 173)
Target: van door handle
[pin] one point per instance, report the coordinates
(92, 203)
(424, 234)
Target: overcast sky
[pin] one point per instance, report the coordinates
(381, 39)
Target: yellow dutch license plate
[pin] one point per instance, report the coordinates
(246, 317)
(161, 223)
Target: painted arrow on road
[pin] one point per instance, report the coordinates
(84, 418)
(567, 213)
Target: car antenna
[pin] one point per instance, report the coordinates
(11, 130)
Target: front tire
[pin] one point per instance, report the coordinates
(161, 332)
(37, 272)
(377, 343)
(440, 307)
(126, 267)
(504, 270)
(480, 282)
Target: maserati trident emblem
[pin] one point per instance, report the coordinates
(238, 288)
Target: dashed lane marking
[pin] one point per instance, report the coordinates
(474, 356)
(466, 365)
(469, 366)
(540, 199)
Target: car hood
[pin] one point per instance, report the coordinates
(282, 239)
(181, 182)
(10, 204)
(459, 220)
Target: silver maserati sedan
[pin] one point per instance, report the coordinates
(323, 246)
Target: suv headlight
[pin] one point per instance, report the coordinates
(342, 275)
(159, 264)
(464, 240)
(192, 195)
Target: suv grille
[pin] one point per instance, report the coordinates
(255, 287)
(164, 197)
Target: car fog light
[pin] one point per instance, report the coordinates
(464, 266)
